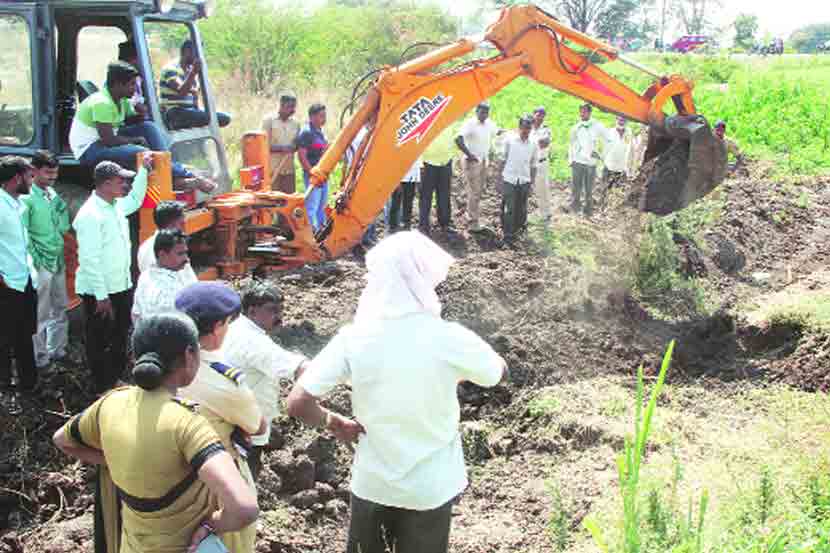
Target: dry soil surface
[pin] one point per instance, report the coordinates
(561, 320)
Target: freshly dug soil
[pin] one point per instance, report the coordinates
(554, 319)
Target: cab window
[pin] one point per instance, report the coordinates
(177, 76)
(97, 48)
(16, 99)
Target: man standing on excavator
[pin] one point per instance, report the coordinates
(583, 156)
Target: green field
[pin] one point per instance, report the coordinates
(777, 109)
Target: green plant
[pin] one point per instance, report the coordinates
(657, 260)
(818, 498)
(544, 404)
(766, 495)
(630, 462)
(559, 524)
(657, 517)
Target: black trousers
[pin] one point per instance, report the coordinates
(106, 339)
(373, 526)
(255, 461)
(435, 179)
(400, 209)
(17, 325)
(514, 208)
(189, 117)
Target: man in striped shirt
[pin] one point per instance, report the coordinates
(179, 86)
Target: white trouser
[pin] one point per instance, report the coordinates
(52, 323)
(541, 188)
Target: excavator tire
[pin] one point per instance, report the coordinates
(691, 162)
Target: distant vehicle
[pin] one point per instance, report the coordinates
(774, 48)
(823, 47)
(687, 43)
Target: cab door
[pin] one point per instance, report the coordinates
(21, 130)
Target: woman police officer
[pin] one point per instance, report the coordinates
(176, 482)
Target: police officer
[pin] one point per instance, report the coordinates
(220, 390)
(135, 431)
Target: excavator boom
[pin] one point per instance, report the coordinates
(411, 104)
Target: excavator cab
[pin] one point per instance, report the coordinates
(55, 53)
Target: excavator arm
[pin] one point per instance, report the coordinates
(411, 104)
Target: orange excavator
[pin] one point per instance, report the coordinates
(414, 102)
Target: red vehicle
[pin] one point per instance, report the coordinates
(687, 43)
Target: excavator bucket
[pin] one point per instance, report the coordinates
(691, 162)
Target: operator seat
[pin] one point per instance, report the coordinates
(84, 89)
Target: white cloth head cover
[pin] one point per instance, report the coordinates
(404, 270)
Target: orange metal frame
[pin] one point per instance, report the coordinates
(414, 102)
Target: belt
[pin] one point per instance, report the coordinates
(151, 505)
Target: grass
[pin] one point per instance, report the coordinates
(739, 473)
(808, 310)
(776, 109)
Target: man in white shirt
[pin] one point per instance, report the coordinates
(249, 348)
(168, 215)
(583, 154)
(540, 135)
(520, 167)
(403, 198)
(104, 280)
(157, 286)
(18, 278)
(617, 155)
(404, 364)
(474, 140)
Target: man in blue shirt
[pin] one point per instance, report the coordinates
(18, 298)
(311, 145)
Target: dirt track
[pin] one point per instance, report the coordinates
(556, 322)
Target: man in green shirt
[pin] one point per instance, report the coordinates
(436, 178)
(46, 218)
(98, 132)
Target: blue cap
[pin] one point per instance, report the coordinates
(208, 300)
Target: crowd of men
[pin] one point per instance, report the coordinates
(521, 156)
(402, 360)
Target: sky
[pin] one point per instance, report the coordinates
(776, 17)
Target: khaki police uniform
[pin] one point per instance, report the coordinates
(227, 402)
(154, 445)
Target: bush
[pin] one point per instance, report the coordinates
(658, 262)
(278, 47)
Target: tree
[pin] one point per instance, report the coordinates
(695, 14)
(628, 19)
(581, 13)
(806, 39)
(746, 25)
